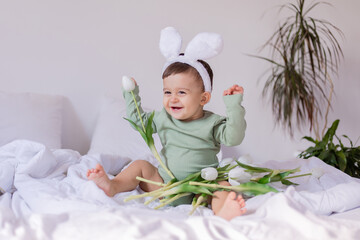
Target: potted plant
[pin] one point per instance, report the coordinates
(347, 159)
(304, 54)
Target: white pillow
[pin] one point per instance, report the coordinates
(31, 116)
(114, 135)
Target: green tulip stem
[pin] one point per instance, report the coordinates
(152, 199)
(200, 200)
(172, 199)
(147, 194)
(212, 185)
(302, 175)
(151, 182)
(157, 156)
(138, 111)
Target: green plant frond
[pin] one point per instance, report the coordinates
(328, 25)
(332, 44)
(316, 43)
(341, 144)
(309, 152)
(331, 159)
(275, 37)
(332, 40)
(341, 160)
(289, 30)
(293, 8)
(331, 131)
(331, 58)
(299, 114)
(351, 143)
(310, 139)
(267, 59)
(313, 53)
(313, 84)
(338, 54)
(313, 6)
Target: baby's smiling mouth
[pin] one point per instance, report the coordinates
(176, 108)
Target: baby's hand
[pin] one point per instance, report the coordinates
(235, 89)
(133, 80)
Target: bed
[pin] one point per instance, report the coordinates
(45, 193)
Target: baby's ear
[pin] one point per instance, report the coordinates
(205, 98)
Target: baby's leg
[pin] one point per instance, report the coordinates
(126, 180)
(227, 204)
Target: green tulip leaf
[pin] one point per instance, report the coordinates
(253, 169)
(254, 189)
(139, 129)
(287, 182)
(149, 129)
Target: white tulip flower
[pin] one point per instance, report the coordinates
(317, 172)
(209, 173)
(238, 175)
(128, 84)
(227, 161)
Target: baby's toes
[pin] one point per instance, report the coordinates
(91, 172)
(241, 202)
(242, 211)
(232, 196)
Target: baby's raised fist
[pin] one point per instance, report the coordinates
(235, 89)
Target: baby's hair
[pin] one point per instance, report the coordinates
(179, 67)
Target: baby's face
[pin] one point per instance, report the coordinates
(183, 96)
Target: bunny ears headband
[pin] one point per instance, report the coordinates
(203, 46)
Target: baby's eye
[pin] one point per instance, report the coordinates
(167, 92)
(182, 92)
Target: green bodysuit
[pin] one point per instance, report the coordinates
(191, 146)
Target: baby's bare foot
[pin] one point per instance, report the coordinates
(98, 175)
(233, 206)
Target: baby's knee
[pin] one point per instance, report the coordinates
(141, 163)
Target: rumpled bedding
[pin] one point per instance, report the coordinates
(47, 196)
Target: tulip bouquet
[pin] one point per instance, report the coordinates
(244, 178)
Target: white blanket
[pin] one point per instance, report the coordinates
(48, 197)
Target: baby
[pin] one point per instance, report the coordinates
(190, 135)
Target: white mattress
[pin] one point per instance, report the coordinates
(49, 197)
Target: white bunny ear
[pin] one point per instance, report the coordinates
(170, 42)
(204, 45)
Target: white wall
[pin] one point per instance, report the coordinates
(81, 48)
